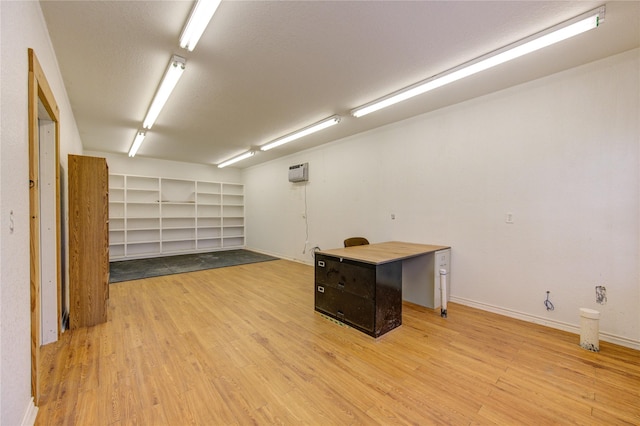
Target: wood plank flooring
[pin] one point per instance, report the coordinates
(243, 345)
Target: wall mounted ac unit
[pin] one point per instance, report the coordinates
(299, 172)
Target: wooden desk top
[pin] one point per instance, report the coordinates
(383, 252)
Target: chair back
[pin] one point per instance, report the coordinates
(355, 241)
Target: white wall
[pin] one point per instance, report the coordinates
(141, 166)
(21, 26)
(560, 153)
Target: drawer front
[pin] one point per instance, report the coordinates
(346, 307)
(352, 277)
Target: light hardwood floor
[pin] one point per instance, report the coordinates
(243, 345)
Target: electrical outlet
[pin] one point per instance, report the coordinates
(508, 217)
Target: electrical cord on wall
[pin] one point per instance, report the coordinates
(314, 250)
(547, 303)
(306, 221)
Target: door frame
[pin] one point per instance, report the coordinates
(40, 92)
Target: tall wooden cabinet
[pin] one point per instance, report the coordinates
(88, 241)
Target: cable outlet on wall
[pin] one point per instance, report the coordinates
(508, 218)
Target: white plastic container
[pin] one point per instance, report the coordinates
(590, 329)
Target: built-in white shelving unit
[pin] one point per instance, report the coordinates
(155, 216)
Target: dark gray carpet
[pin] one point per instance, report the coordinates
(127, 270)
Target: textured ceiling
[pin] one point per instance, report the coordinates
(266, 68)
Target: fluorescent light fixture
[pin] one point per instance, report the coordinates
(200, 16)
(328, 122)
(236, 159)
(578, 25)
(171, 76)
(137, 141)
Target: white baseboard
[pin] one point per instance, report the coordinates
(571, 328)
(29, 418)
(279, 256)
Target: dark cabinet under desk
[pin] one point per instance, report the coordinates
(365, 296)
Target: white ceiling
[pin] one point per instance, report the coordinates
(266, 68)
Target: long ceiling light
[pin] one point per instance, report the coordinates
(236, 159)
(577, 25)
(171, 76)
(137, 141)
(198, 20)
(328, 122)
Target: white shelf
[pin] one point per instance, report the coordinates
(178, 234)
(142, 250)
(178, 246)
(116, 251)
(209, 244)
(116, 195)
(142, 183)
(178, 191)
(209, 232)
(208, 222)
(116, 236)
(233, 242)
(116, 181)
(155, 216)
(233, 188)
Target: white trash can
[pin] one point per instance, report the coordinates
(590, 329)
